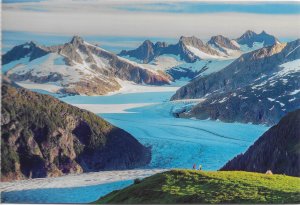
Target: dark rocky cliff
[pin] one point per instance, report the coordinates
(42, 137)
(276, 150)
(250, 37)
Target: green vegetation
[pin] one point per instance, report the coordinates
(43, 136)
(186, 186)
(27, 114)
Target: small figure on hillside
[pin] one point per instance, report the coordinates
(194, 166)
(200, 167)
(269, 172)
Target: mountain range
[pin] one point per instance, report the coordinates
(79, 67)
(260, 87)
(192, 48)
(250, 37)
(75, 67)
(191, 57)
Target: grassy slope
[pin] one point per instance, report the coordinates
(186, 186)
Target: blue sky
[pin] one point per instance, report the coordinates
(152, 19)
(19, 1)
(204, 7)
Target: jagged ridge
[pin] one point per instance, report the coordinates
(78, 67)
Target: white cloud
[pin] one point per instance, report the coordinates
(102, 18)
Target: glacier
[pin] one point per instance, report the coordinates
(175, 142)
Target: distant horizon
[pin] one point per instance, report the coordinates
(111, 43)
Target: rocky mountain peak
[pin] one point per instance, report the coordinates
(31, 44)
(144, 52)
(222, 41)
(76, 41)
(249, 33)
(148, 43)
(160, 44)
(147, 46)
(250, 37)
(191, 41)
(263, 32)
(30, 49)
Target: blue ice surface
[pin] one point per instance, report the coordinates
(84, 194)
(211, 143)
(272, 8)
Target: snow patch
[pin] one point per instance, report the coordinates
(52, 88)
(223, 100)
(294, 92)
(201, 54)
(271, 99)
(289, 67)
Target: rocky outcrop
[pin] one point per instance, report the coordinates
(44, 137)
(250, 37)
(276, 150)
(78, 67)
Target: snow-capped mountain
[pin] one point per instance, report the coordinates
(259, 87)
(189, 49)
(249, 38)
(146, 52)
(188, 58)
(191, 57)
(225, 46)
(76, 67)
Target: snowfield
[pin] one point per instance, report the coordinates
(52, 88)
(131, 87)
(203, 55)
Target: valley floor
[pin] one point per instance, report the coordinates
(175, 143)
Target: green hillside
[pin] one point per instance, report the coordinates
(190, 186)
